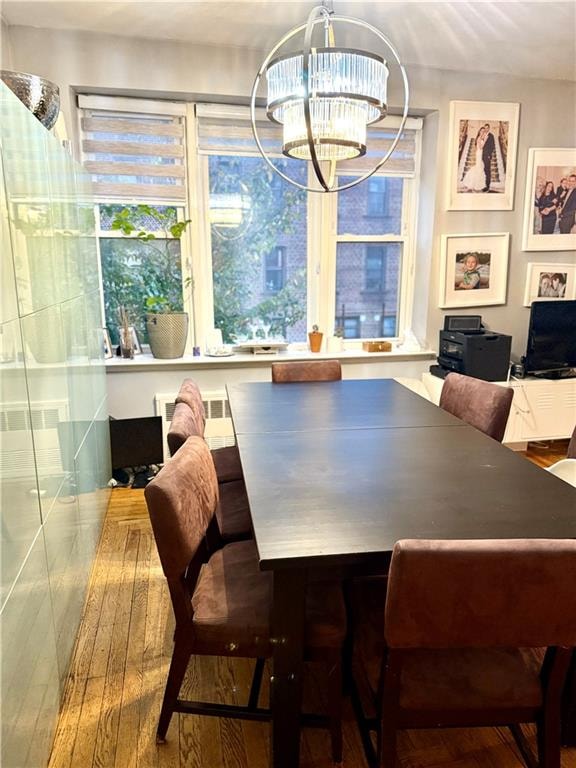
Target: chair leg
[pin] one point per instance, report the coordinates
(335, 710)
(256, 684)
(386, 746)
(549, 741)
(180, 658)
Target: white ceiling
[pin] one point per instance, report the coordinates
(529, 38)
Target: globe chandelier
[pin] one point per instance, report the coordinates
(325, 98)
(230, 211)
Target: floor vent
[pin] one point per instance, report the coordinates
(219, 432)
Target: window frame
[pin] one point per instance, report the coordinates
(321, 219)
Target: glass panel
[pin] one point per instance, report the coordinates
(133, 271)
(18, 489)
(368, 289)
(139, 215)
(371, 208)
(254, 214)
(29, 681)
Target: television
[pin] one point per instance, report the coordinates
(551, 347)
(136, 442)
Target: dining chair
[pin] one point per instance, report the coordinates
(459, 642)
(233, 511)
(227, 458)
(306, 370)
(222, 601)
(479, 403)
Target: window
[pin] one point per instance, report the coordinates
(377, 196)
(133, 270)
(267, 258)
(374, 272)
(137, 164)
(274, 266)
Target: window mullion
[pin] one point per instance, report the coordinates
(199, 235)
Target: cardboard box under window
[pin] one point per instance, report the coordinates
(377, 346)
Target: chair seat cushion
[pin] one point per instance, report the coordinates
(233, 511)
(231, 605)
(227, 463)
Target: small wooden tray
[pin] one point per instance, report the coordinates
(377, 346)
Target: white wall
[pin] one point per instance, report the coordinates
(5, 46)
(178, 70)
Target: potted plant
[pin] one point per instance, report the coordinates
(315, 339)
(166, 324)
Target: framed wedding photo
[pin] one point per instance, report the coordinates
(483, 136)
(106, 343)
(549, 282)
(474, 270)
(550, 200)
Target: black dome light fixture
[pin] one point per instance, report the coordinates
(325, 97)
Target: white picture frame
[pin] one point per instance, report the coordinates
(548, 164)
(465, 284)
(106, 343)
(549, 282)
(467, 119)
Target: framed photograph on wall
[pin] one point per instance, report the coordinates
(106, 343)
(550, 200)
(474, 269)
(482, 141)
(546, 282)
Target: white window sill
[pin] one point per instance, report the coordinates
(145, 361)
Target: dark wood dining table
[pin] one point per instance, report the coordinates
(337, 472)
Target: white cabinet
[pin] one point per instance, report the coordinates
(542, 409)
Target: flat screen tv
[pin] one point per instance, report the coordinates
(551, 348)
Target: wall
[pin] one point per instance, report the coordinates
(5, 46)
(54, 452)
(548, 118)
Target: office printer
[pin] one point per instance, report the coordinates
(466, 347)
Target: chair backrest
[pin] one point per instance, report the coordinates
(306, 370)
(181, 501)
(479, 403)
(572, 446)
(184, 424)
(190, 394)
(504, 593)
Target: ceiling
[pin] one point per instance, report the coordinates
(529, 38)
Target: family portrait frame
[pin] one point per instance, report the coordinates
(474, 269)
(549, 282)
(550, 203)
(482, 145)
(106, 343)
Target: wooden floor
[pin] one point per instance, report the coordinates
(115, 687)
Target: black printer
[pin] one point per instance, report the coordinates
(471, 350)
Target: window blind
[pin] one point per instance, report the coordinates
(133, 154)
(223, 130)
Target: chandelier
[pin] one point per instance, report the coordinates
(230, 210)
(325, 98)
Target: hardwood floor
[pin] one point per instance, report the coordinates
(114, 691)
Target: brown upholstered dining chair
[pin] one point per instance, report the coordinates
(222, 601)
(233, 513)
(479, 403)
(226, 459)
(306, 370)
(458, 641)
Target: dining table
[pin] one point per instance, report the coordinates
(337, 472)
